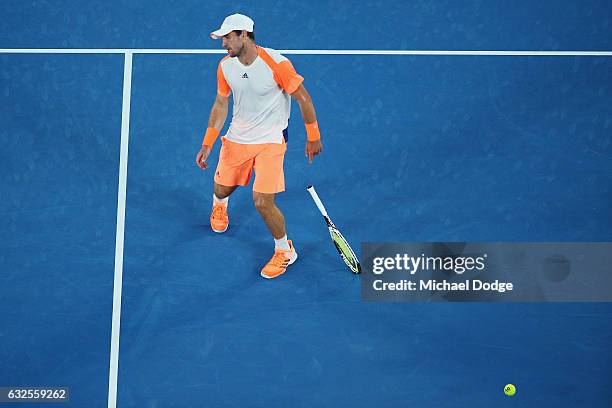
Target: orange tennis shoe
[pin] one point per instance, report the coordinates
(219, 221)
(281, 259)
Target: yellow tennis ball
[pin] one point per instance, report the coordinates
(509, 390)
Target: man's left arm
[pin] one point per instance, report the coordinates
(313, 144)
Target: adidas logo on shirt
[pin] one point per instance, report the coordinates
(245, 75)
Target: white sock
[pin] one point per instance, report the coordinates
(282, 243)
(217, 200)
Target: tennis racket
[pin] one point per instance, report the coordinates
(341, 244)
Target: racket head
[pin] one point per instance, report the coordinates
(344, 249)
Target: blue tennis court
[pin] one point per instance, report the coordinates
(415, 148)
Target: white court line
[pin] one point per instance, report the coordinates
(123, 159)
(310, 52)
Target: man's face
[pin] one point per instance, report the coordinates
(233, 43)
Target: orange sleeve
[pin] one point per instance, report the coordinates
(223, 87)
(284, 73)
(289, 79)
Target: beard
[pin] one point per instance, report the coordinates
(238, 52)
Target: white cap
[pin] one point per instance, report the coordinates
(233, 22)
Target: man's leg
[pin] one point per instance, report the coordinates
(270, 213)
(284, 252)
(234, 169)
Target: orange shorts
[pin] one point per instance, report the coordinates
(237, 161)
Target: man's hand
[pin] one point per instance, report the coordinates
(202, 156)
(313, 149)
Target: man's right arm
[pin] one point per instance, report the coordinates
(218, 114)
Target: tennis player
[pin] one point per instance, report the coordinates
(262, 82)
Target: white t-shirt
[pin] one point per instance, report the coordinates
(261, 93)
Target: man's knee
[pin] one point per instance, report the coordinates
(263, 202)
(223, 191)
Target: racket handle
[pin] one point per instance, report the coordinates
(317, 200)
